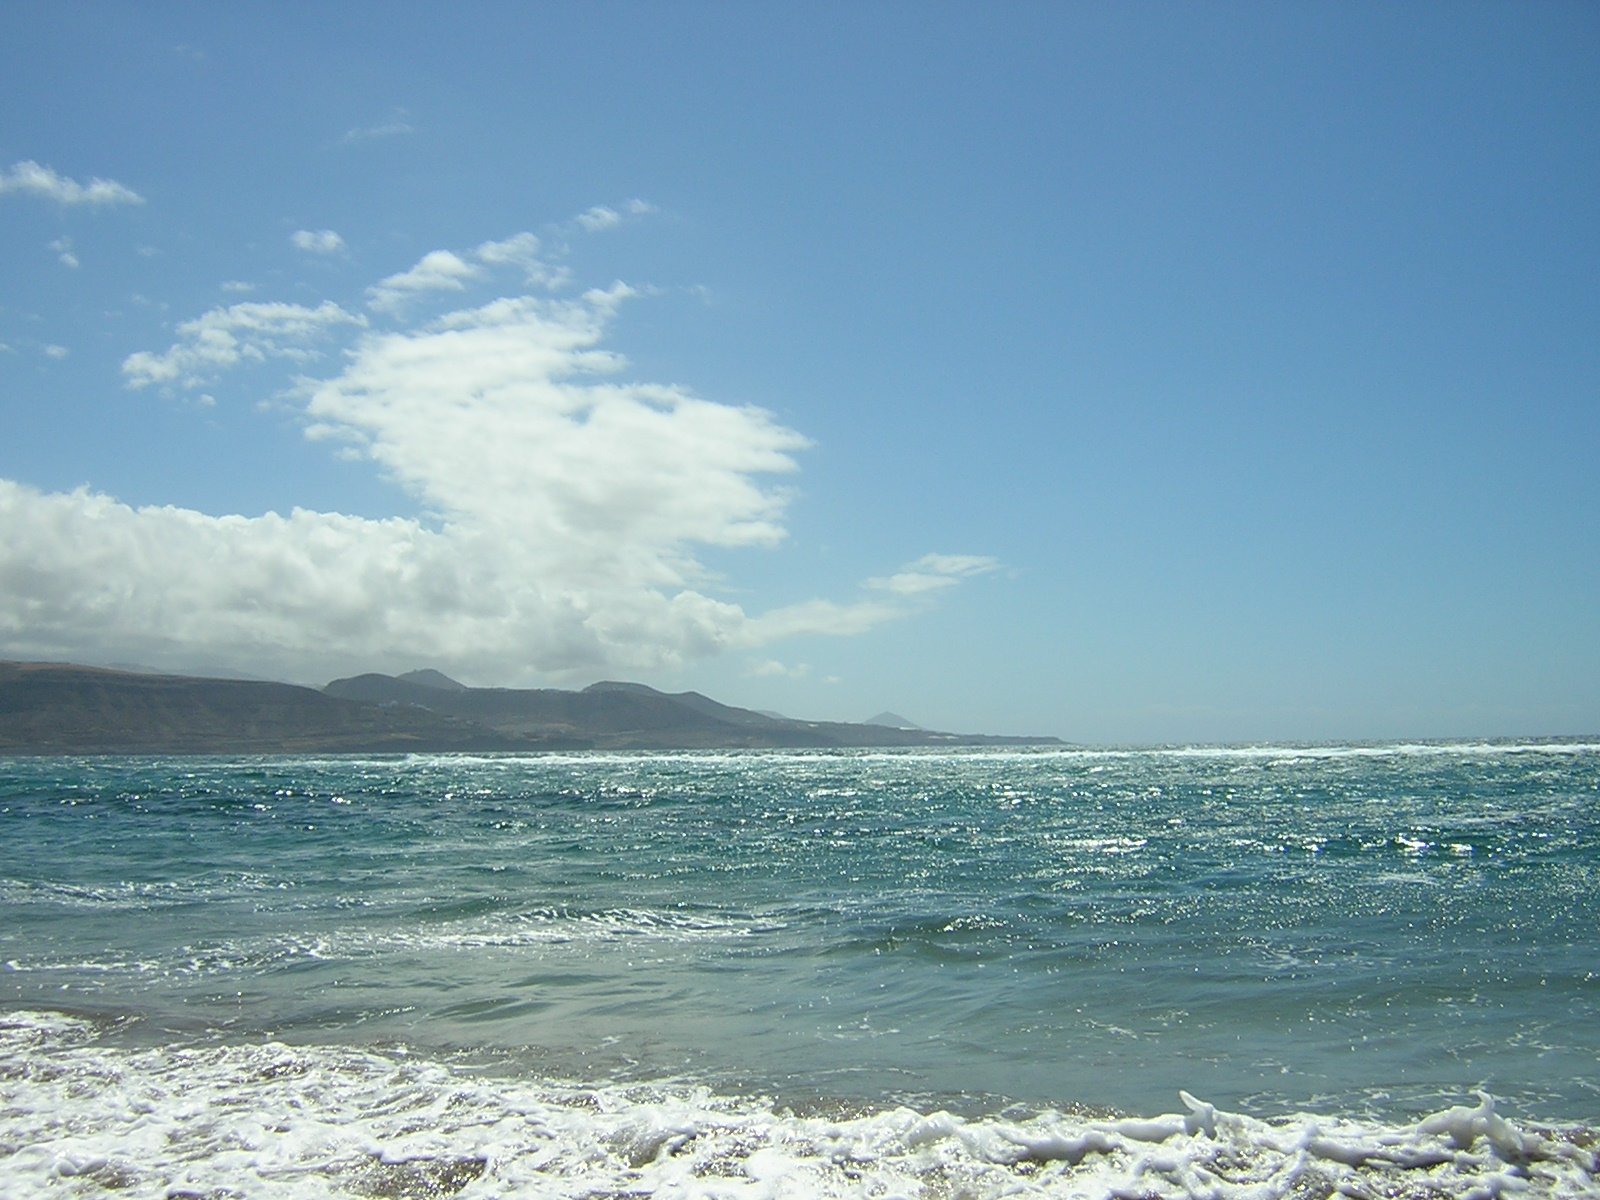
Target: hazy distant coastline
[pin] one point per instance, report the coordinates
(57, 708)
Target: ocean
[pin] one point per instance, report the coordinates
(1261, 972)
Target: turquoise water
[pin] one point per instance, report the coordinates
(1371, 933)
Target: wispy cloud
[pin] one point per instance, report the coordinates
(934, 573)
(226, 337)
(64, 252)
(319, 241)
(525, 252)
(601, 217)
(771, 668)
(32, 179)
(567, 505)
(396, 127)
(819, 618)
(890, 598)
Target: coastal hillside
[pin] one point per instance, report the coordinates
(57, 708)
(632, 716)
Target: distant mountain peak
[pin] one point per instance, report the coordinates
(892, 721)
(428, 677)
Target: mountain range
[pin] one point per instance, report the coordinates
(58, 708)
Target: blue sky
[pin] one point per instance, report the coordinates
(1127, 373)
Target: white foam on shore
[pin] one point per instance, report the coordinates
(81, 1118)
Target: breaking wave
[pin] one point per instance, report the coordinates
(83, 1116)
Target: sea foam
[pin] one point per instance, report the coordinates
(81, 1116)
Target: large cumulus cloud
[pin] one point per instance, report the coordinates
(565, 504)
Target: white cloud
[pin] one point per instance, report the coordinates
(933, 573)
(31, 178)
(389, 129)
(438, 271)
(225, 337)
(601, 217)
(320, 241)
(568, 505)
(771, 668)
(897, 597)
(64, 252)
(819, 618)
(598, 218)
(511, 416)
(161, 584)
(56, 352)
(523, 251)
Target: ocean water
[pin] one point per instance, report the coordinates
(1263, 972)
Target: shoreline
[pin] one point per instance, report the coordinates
(353, 1117)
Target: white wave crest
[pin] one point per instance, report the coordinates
(542, 927)
(82, 1118)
